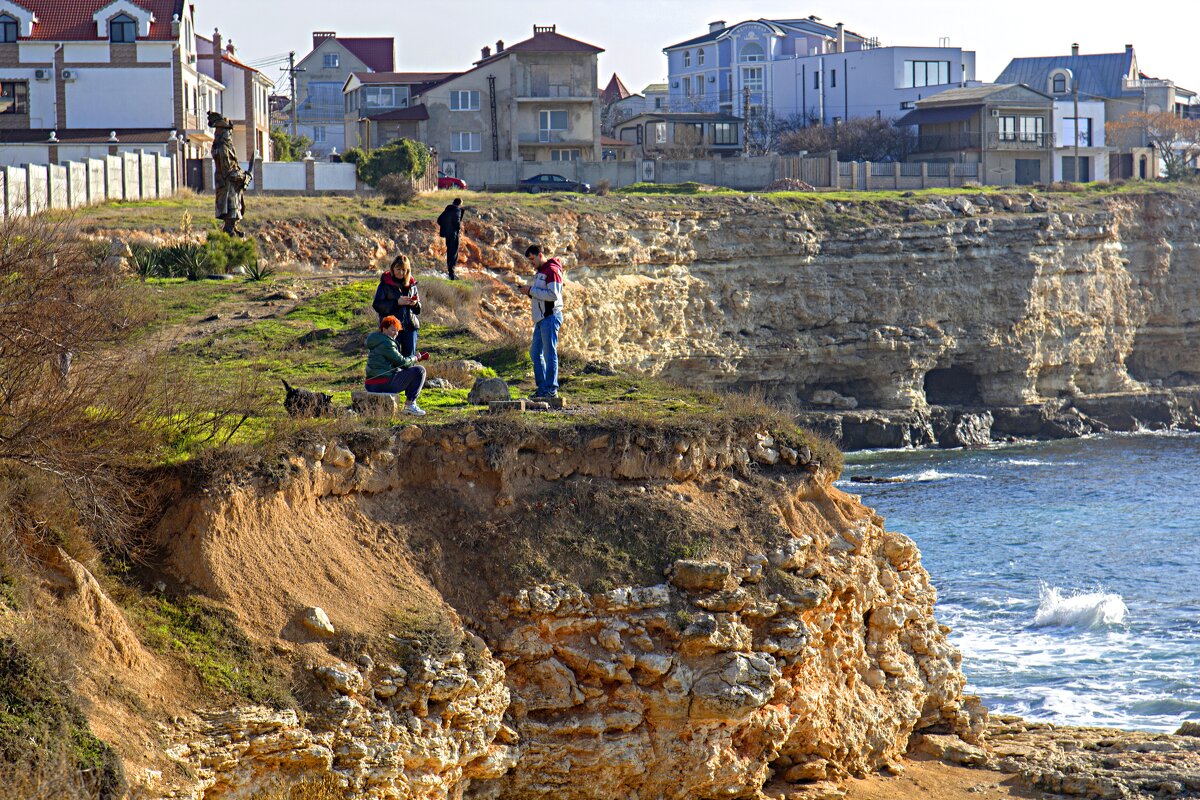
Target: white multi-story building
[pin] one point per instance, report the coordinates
(84, 78)
(244, 97)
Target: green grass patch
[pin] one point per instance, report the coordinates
(689, 188)
(338, 308)
(204, 637)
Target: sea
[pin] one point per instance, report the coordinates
(1069, 571)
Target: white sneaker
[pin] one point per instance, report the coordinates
(414, 409)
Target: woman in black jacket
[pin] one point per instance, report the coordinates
(397, 297)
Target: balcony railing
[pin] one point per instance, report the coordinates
(938, 143)
(1020, 141)
(550, 137)
(1134, 84)
(564, 91)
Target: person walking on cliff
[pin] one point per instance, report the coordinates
(546, 296)
(390, 372)
(450, 226)
(397, 297)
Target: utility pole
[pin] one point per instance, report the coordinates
(291, 70)
(1075, 93)
(746, 120)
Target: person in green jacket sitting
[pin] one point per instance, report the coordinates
(389, 371)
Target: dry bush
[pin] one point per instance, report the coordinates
(603, 187)
(320, 789)
(456, 372)
(454, 304)
(397, 189)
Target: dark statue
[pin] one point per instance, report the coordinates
(231, 179)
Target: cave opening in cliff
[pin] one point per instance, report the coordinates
(952, 386)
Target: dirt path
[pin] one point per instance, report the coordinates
(927, 779)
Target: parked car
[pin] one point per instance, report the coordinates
(446, 182)
(552, 183)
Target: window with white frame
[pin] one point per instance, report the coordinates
(565, 155)
(549, 123)
(926, 73)
(687, 58)
(332, 61)
(464, 100)
(700, 86)
(752, 78)
(122, 29)
(752, 51)
(9, 29)
(700, 57)
(660, 133)
(1060, 84)
(687, 87)
(465, 142)
(319, 134)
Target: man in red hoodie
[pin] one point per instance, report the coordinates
(546, 294)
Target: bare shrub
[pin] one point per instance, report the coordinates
(456, 372)
(603, 187)
(328, 788)
(397, 189)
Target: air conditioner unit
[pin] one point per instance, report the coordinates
(41, 74)
(712, 78)
(69, 74)
(674, 84)
(995, 112)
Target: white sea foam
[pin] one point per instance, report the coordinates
(1084, 610)
(927, 475)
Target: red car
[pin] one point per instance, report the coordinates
(446, 182)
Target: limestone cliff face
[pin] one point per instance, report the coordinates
(1023, 300)
(801, 647)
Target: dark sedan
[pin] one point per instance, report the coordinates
(552, 183)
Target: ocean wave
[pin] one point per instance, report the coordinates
(928, 475)
(1084, 610)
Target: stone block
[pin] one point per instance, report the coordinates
(374, 404)
(488, 390)
(497, 406)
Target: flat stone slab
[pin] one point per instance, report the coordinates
(374, 404)
(498, 406)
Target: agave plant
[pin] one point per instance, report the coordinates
(186, 259)
(259, 270)
(146, 260)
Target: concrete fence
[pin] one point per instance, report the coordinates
(33, 188)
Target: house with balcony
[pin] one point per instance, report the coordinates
(653, 98)
(381, 107)
(320, 105)
(684, 134)
(1114, 80)
(91, 77)
(245, 94)
(806, 69)
(1007, 129)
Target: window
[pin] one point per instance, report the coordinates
(550, 122)
(1077, 129)
(319, 135)
(564, 155)
(14, 97)
(1031, 129)
(332, 61)
(687, 58)
(1060, 84)
(753, 51)
(464, 101)
(687, 87)
(700, 57)
(907, 105)
(122, 28)
(660, 133)
(700, 86)
(8, 28)
(1008, 129)
(816, 80)
(724, 133)
(658, 102)
(752, 78)
(926, 73)
(464, 142)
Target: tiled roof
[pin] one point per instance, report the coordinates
(417, 112)
(545, 42)
(71, 20)
(1099, 75)
(377, 53)
(86, 136)
(973, 94)
(615, 90)
(403, 77)
(608, 141)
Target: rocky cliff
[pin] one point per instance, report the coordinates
(496, 628)
(987, 300)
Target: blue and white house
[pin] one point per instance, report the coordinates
(803, 67)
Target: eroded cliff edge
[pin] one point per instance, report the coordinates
(504, 627)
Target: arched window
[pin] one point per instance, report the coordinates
(753, 51)
(8, 28)
(1060, 84)
(687, 58)
(121, 29)
(700, 57)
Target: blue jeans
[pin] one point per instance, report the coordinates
(407, 342)
(544, 352)
(410, 381)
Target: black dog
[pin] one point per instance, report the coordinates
(307, 403)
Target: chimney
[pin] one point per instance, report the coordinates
(1128, 48)
(217, 53)
(485, 53)
(1075, 49)
(718, 25)
(841, 38)
(499, 46)
(320, 36)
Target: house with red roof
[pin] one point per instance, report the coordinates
(536, 100)
(81, 78)
(245, 95)
(320, 108)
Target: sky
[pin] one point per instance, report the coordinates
(447, 36)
